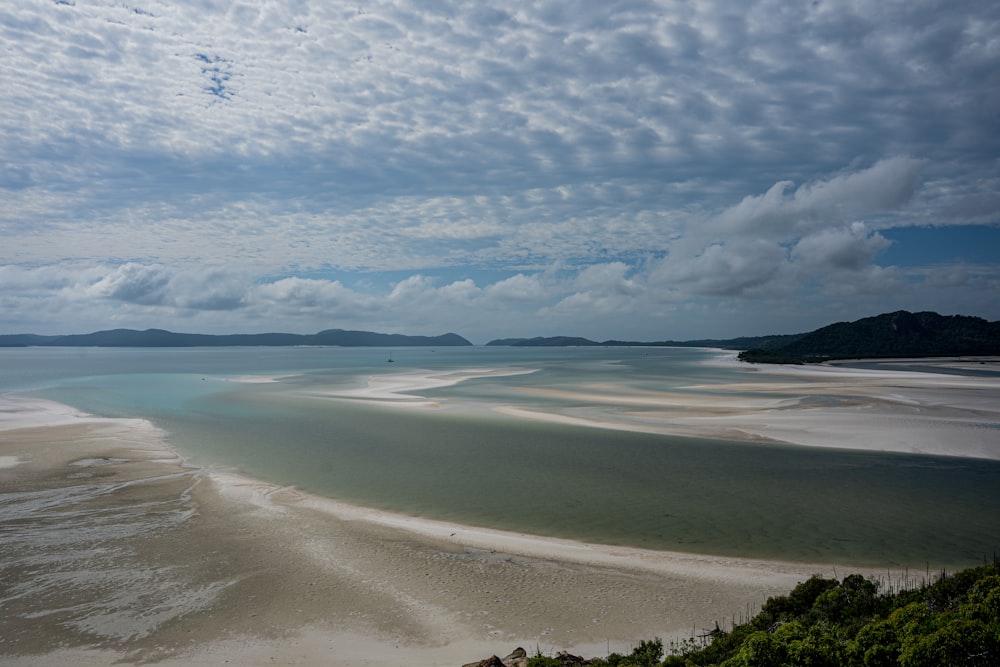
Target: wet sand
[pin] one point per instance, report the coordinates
(817, 406)
(114, 550)
(891, 410)
(403, 389)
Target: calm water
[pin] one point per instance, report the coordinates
(472, 465)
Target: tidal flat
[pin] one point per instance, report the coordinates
(448, 510)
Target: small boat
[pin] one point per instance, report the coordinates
(390, 359)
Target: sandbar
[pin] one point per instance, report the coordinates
(115, 550)
(817, 406)
(947, 413)
(401, 389)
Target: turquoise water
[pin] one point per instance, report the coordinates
(469, 464)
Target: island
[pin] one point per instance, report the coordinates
(895, 335)
(162, 338)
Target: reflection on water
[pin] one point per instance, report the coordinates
(464, 462)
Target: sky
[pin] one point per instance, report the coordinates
(634, 170)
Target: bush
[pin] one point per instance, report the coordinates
(646, 654)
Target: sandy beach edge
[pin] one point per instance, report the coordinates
(639, 593)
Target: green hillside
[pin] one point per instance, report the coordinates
(891, 335)
(161, 338)
(954, 621)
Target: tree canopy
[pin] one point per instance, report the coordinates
(954, 621)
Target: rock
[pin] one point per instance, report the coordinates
(517, 658)
(491, 661)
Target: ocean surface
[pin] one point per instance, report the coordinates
(465, 462)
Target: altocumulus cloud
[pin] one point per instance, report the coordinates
(611, 169)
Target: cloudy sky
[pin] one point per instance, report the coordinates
(640, 170)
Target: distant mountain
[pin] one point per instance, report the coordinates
(368, 339)
(898, 334)
(728, 344)
(161, 338)
(540, 341)
(512, 342)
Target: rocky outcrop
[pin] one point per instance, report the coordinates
(519, 658)
(491, 661)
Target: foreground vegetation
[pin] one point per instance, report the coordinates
(832, 623)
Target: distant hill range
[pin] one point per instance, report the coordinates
(161, 338)
(898, 334)
(742, 343)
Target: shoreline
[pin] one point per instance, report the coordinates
(232, 568)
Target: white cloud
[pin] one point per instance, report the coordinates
(767, 242)
(134, 283)
(210, 288)
(616, 158)
(852, 247)
(732, 268)
(784, 211)
(304, 303)
(517, 288)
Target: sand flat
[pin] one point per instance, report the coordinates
(115, 550)
(874, 409)
(816, 406)
(160, 562)
(402, 389)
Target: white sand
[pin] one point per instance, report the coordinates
(255, 379)
(10, 461)
(251, 573)
(401, 389)
(817, 406)
(17, 412)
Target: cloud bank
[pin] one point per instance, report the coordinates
(628, 169)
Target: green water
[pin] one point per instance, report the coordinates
(473, 466)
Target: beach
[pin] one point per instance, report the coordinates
(115, 549)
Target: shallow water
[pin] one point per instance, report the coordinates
(466, 463)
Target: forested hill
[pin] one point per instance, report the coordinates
(899, 334)
(161, 338)
(742, 343)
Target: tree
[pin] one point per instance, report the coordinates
(958, 642)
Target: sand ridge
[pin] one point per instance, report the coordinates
(816, 406)
(402, 389)
(823, 405)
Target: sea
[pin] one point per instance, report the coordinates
(457, 458)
